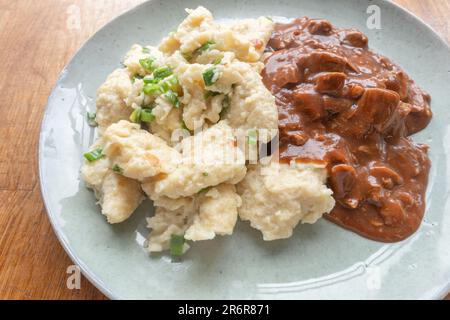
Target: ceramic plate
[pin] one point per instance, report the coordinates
(320, 261)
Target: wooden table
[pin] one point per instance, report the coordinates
(37, 38)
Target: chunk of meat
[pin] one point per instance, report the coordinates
(343, 179)
(308, 102)
(378, 106)
(386, 177)
(355, 39)
(319, 26)
(392, 212)
(374, 110)
(330, 82)
(321, 61)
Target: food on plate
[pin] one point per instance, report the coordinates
(184, 124)
(181, 122)
(276, 197)
(200, 217)
(118, 196)
(111, 96)
(206, 159)
(344, 106)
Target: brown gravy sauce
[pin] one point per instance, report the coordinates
(346, 106)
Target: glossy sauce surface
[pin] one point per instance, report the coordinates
(346, 106)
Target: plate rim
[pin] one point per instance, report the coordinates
(92, 277)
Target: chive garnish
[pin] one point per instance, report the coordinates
(187, 56)
(210, 76)
(184, 127)
(91, 119)
(136, 115)
(172, 97)
(176, 245)
(149, 79)
(142, 115)
(147, 64)
(116, 168)
(136, 77)
(170, 83)
(206, 46)
(145, 50)
(208, 94)
(204, 190)
(152, 88)
(147, 115)
(94, 155)
(252, 137)
(162, 72)
(156, 84)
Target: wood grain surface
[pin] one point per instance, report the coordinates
(37, 38)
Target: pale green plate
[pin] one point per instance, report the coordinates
(320, 261)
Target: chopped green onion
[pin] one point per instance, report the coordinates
(136, 115)
(138, 76)
(170, 83)
(206, 46)
(149, 79)
(205, 174)
(152, 88)
(147, 64)
(176, 245)
(217, 61)
(204, 190)
(117, 168)
(184, 127)
(269, 18)
(187, 56)
(208, 94)
(252, 137)
(145, 50)
(91, 119)
(225, 106)
(142, 115)
(173, 80)
(162, 72)
(210, 76)
(156, 84)
(173, 98)
(147, 115)
(94, 155)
